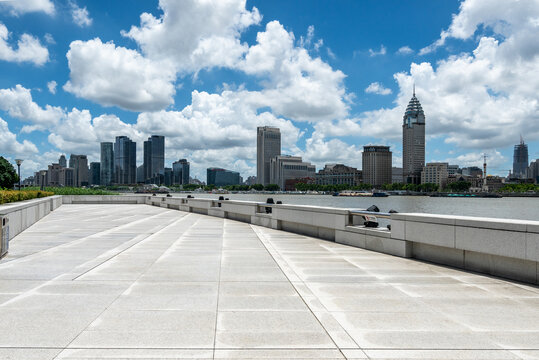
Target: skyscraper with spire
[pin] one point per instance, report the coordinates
(413, 142)
(520, 160)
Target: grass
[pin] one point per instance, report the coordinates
(7, 196)
(77, 191)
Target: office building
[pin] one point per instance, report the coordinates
(180, 171)
(62, 161)
(106, 176)
(251, 180)
(435, 173)
(53, 175)
(95, 173)
(338, 174)
(154, 157)
(377, 162)
(286, 167)
(472, 171)
(268, 145)
(168, 177)
(413, 141)
(125, 161)
(533, 171)
(79, 164)
(520, 160)
(67, 177)
(452, 170)
(396, 175)
(222, 177)
(140, 174)
(40, 178)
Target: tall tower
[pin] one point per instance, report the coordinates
(125, 160)
(154, 156)
(62, 161)
(268, 145)
(107, 164)
(413, 142)
(520, 160)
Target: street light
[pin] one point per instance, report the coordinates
(43, 175)
(19, 162)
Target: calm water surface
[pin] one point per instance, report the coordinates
(510, 207)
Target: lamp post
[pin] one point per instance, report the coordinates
(19, 162)
(43, 175)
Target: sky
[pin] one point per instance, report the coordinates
(332, 75)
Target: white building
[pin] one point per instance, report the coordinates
(435, 173)
(288, 167)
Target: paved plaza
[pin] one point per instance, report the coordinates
(143, 282)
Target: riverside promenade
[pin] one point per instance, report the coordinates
(137, 281)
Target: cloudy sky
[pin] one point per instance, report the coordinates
(334, 76)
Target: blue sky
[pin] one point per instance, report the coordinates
(333, 75)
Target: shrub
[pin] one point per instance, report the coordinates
(8, 176)
(7, 196)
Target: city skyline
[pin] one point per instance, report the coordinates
(333, 81)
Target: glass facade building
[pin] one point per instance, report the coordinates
(107, 164)
(154, 157)
(413, 142)
(180, 171)
(268, 145)
(222, 177)
(520, 160)
(125, 160)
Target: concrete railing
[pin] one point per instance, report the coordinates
(23, 214)
(507, 248)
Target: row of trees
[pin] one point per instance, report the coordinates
(519, 188)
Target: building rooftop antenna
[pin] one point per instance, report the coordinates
(414, 95)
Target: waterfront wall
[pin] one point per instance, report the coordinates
(507, 248)
(23, 214)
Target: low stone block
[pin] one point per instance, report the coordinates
(438, 254)
(350, 238)
(400, 248)
(428, 233)
(494, 242)
(398, 229)
(532, 246)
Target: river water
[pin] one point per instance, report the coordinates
(507, 207)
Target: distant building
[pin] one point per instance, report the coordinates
(413, 142)
(140, 174)
(377, 165)
(268, 145)
(285, 167)
(53, 175)
(79, 164)
(62, 161)
(472, 171)
(435, 173)
(154, 157)
(67, 177)
(125, 161)
(180, 170)
(168, 177)
(95, 173)
(40, 177)
(251, 180)
(106, 176)
(338, 174)
(396, 175)
(222, 177)
(520, 160)
(290, 184)
(29, 181)
(533, 171)
(452, 169)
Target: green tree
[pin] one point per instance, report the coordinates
(257, 187)
(8, 176)
(272, 187)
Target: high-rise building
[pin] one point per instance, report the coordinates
(435, 173)
(533, 171)
(180, 171)
(168, 176)
(154, 157)
(140, 174)
(338, 174)
(125, 160)
(472, 171)
(520, 160)
(286, 167)
(396, 175)
(66, 177)
(268, 145)
(62, 161)
(79, 164)
(107, 164)
(53, 175)
(222, 177)
(376, 162)
(452, 170)
(413, 142)
(95, 173)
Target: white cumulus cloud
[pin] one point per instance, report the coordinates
(377, 88)
(18, 7)
(10, 145)
(18, 103)
(405, 50)
(81, 16)
(382, 51)
(29, 49)
(51, 85)
(116, 76)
